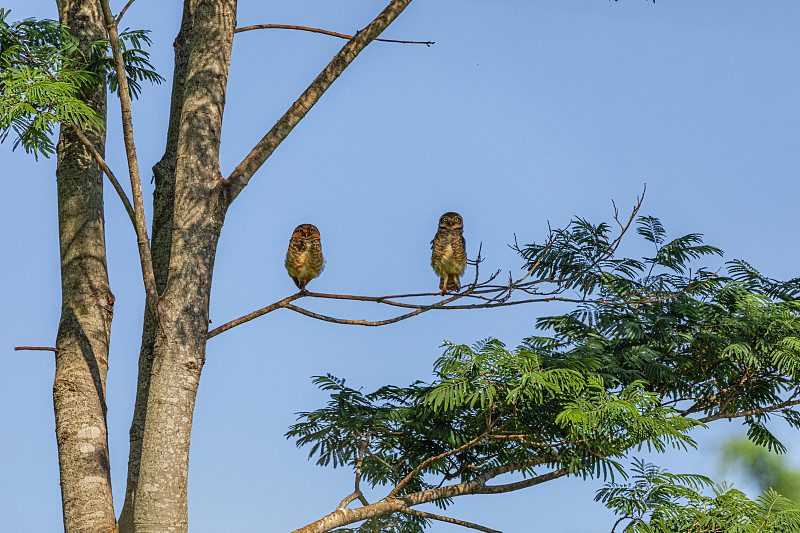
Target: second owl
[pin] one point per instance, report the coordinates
(449, 251)
(304, 260)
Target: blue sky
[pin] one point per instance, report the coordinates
(523, 114)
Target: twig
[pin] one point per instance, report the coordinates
(488, 294)
(130, 149)
(362, 448)
(418, 308)
(124, 9)
(89, 146)
(41, 348)
(241, 175)
(102, 163)
(324, 32)
(403, 482)
(751, 412)
(255, 314)
(354, 322)
(449, 520)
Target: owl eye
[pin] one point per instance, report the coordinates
(456, 219)
(444, 219)
(311, 231)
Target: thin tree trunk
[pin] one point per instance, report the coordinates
(79, 388)
(161, 247)
(190, 203)
(178, 353)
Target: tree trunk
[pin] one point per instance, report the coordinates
(161, 247)
(190, 203)
(194, 216)
(79, 388)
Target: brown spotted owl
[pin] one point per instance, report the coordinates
(304, 260)
(449, 256)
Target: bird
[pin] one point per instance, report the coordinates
(449, 251)
(304, 260)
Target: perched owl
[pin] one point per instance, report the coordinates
(449, 257)
(304, 260)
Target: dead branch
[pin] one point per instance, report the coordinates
(318, 30)
(124, 9)
(362, 448)
(130, 149)
(241, 175)
(255, 314)
(449, 520)
(41, 348)
(90, 147)
(485, 294)
(751, 412)
(341, 517)
(110, 175)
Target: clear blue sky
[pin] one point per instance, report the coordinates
(523, 113)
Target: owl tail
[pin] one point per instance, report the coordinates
(452, 284)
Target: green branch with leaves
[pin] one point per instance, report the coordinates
(618, 374)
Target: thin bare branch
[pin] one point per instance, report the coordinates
(255, 314)
(489, 303)
(487, 294)
(525, 483)
(356, 322)
(40, 348)
(124, 9)
(318, 30)
(341, 517)
(245, 170)
(102, 163)
(403, 482)
(751, 412)
(130, 150)
(362, 448)
(449, 520)
(91, 148)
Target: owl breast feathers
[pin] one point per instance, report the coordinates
(449, 251)
(304, 260)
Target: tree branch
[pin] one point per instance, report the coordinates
(40, 348)
(751, 412)
(341, 517)
(255, 314)
(487, 294)
(259, 154)
(362, 448)
(403, 482)
(318, 30)
(449, 520)
(124, 9)
(102, 163)
(130, 149)
(525, 483)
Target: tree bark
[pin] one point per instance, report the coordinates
(161, 248)
(198, 211)
(79, 387)
(190, 203)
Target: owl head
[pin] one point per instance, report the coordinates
(451, 221)
(306, 232)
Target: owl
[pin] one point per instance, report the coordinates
(304, 260)
(449, 256)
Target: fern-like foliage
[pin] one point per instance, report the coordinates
(488, 408)
(98, 60)
(44, 75)
(666, 345)
(710, 345)
(656, 501)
